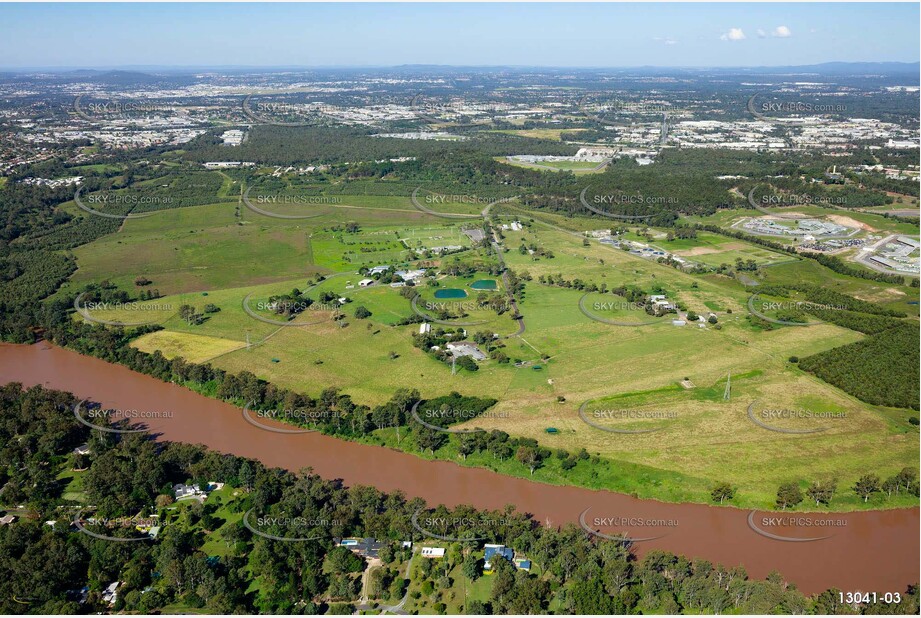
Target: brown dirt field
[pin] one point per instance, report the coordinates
(843, 220)
(882, 296)
(696, 251)
(732, 246)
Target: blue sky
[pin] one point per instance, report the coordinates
(574, 35)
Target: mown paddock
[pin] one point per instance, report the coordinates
(192, 347)
(210, 247)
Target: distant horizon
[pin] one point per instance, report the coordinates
(196, 67)
(377, 35)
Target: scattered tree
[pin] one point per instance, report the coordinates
(722, 491)
(866, 486)
(789, 494)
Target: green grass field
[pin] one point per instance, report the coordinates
(462, 590)
(714, 250)
(73, 490)
(192, 347)
(213, 247)
(190, 251)
(554, 134)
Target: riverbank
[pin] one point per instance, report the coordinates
(871, 550)
(635, 480)
(594, 470)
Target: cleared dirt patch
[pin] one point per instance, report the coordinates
(887, 295)
(697, 251)
(786, 214)
(730, 246)
(847, 221)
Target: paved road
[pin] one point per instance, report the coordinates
(505, 278)
(398, 608)
(443, 215)
(863, 257)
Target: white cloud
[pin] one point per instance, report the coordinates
(665, 40)
(781, 32)
(761, 33)
(734, 34)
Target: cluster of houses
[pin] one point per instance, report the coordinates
(194, 492)
(182, 491)
(218, 165)
(638, 249)
(109, 594)
(456, 348)
(465, 348)
(661, 305)
(406, 276)
(369, 548)
(491, 553)
(54, 183)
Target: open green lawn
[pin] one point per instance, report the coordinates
(73, 490)
(554, 134)
(462, 589)
(196, 248)
(228, 515)
(714, 250)
(223, 245)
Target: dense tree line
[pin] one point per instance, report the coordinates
(881, 369)
(834, 307)
(797, 191)
(577, 572)
(275, 145)
(822, 492)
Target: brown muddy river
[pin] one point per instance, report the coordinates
(868, 551)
